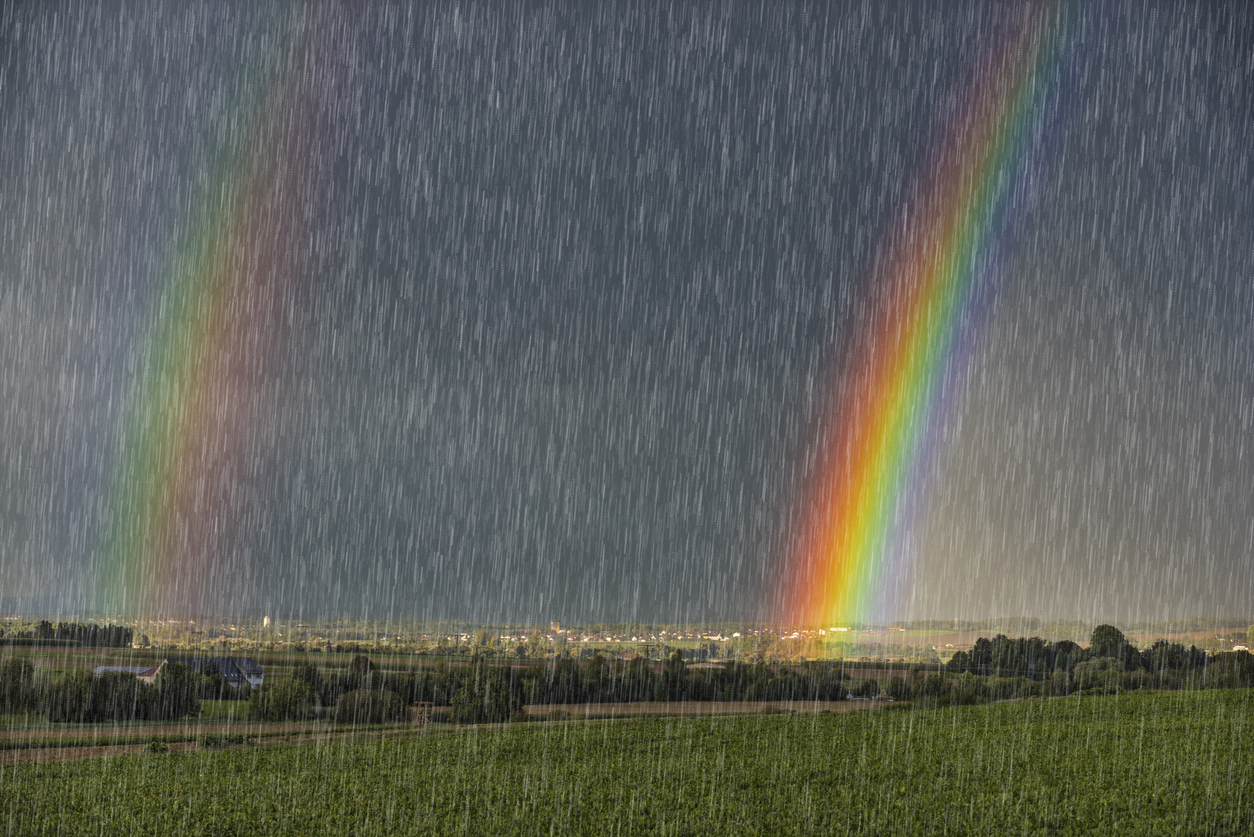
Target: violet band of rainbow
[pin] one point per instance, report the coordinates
(904, 368)
(204, 341)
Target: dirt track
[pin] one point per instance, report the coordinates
(303, 735)
(44, 754)
(307, 734)
(700, 708)
(115, 730)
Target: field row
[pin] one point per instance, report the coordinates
(1141, 764)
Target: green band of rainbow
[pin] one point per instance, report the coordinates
(899, 376)
(206, 340)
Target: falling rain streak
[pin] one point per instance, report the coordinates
(537, 313)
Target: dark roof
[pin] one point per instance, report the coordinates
(234, 669)
(247, 665)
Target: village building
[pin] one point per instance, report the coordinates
(236, 671)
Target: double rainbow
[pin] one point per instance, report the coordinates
(904, 364)
(206, 342)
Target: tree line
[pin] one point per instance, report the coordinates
(1038, 659)
(994, 669)
(81, 633)
(476, 693)
(480, 691)
(84, 697)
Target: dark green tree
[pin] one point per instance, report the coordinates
(307, 672)
(212, 684)
(673, 679)
(960, 662)
(597, 679)
(68, 699)
(82, 697)
(1065, 654)
(487, 696)
(359, 669)
(565, 683)
(636, 681)
(369, 706)
(897, 688)
(283, 701)
(176, 689)
(868, 688)
(1231, 670)
(17, 685)
(932, 686)
(1107, 641)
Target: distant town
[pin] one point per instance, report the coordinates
(931, 641)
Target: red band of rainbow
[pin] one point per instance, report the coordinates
(208, 336)
(901, 371)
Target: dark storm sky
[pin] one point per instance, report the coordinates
(575, 285)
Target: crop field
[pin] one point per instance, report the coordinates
(1168, 763)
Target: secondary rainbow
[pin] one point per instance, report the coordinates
(903, 365)
(204, 344)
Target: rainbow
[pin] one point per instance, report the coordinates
(931, 285)
(203, 348)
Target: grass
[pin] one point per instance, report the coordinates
(225, 710)
(1144, 764)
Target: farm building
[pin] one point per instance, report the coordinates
(146, 674)
(235, 670)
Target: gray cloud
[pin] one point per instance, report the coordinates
(569, 287)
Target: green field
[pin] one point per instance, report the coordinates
(1168, 763)
(236, 711)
